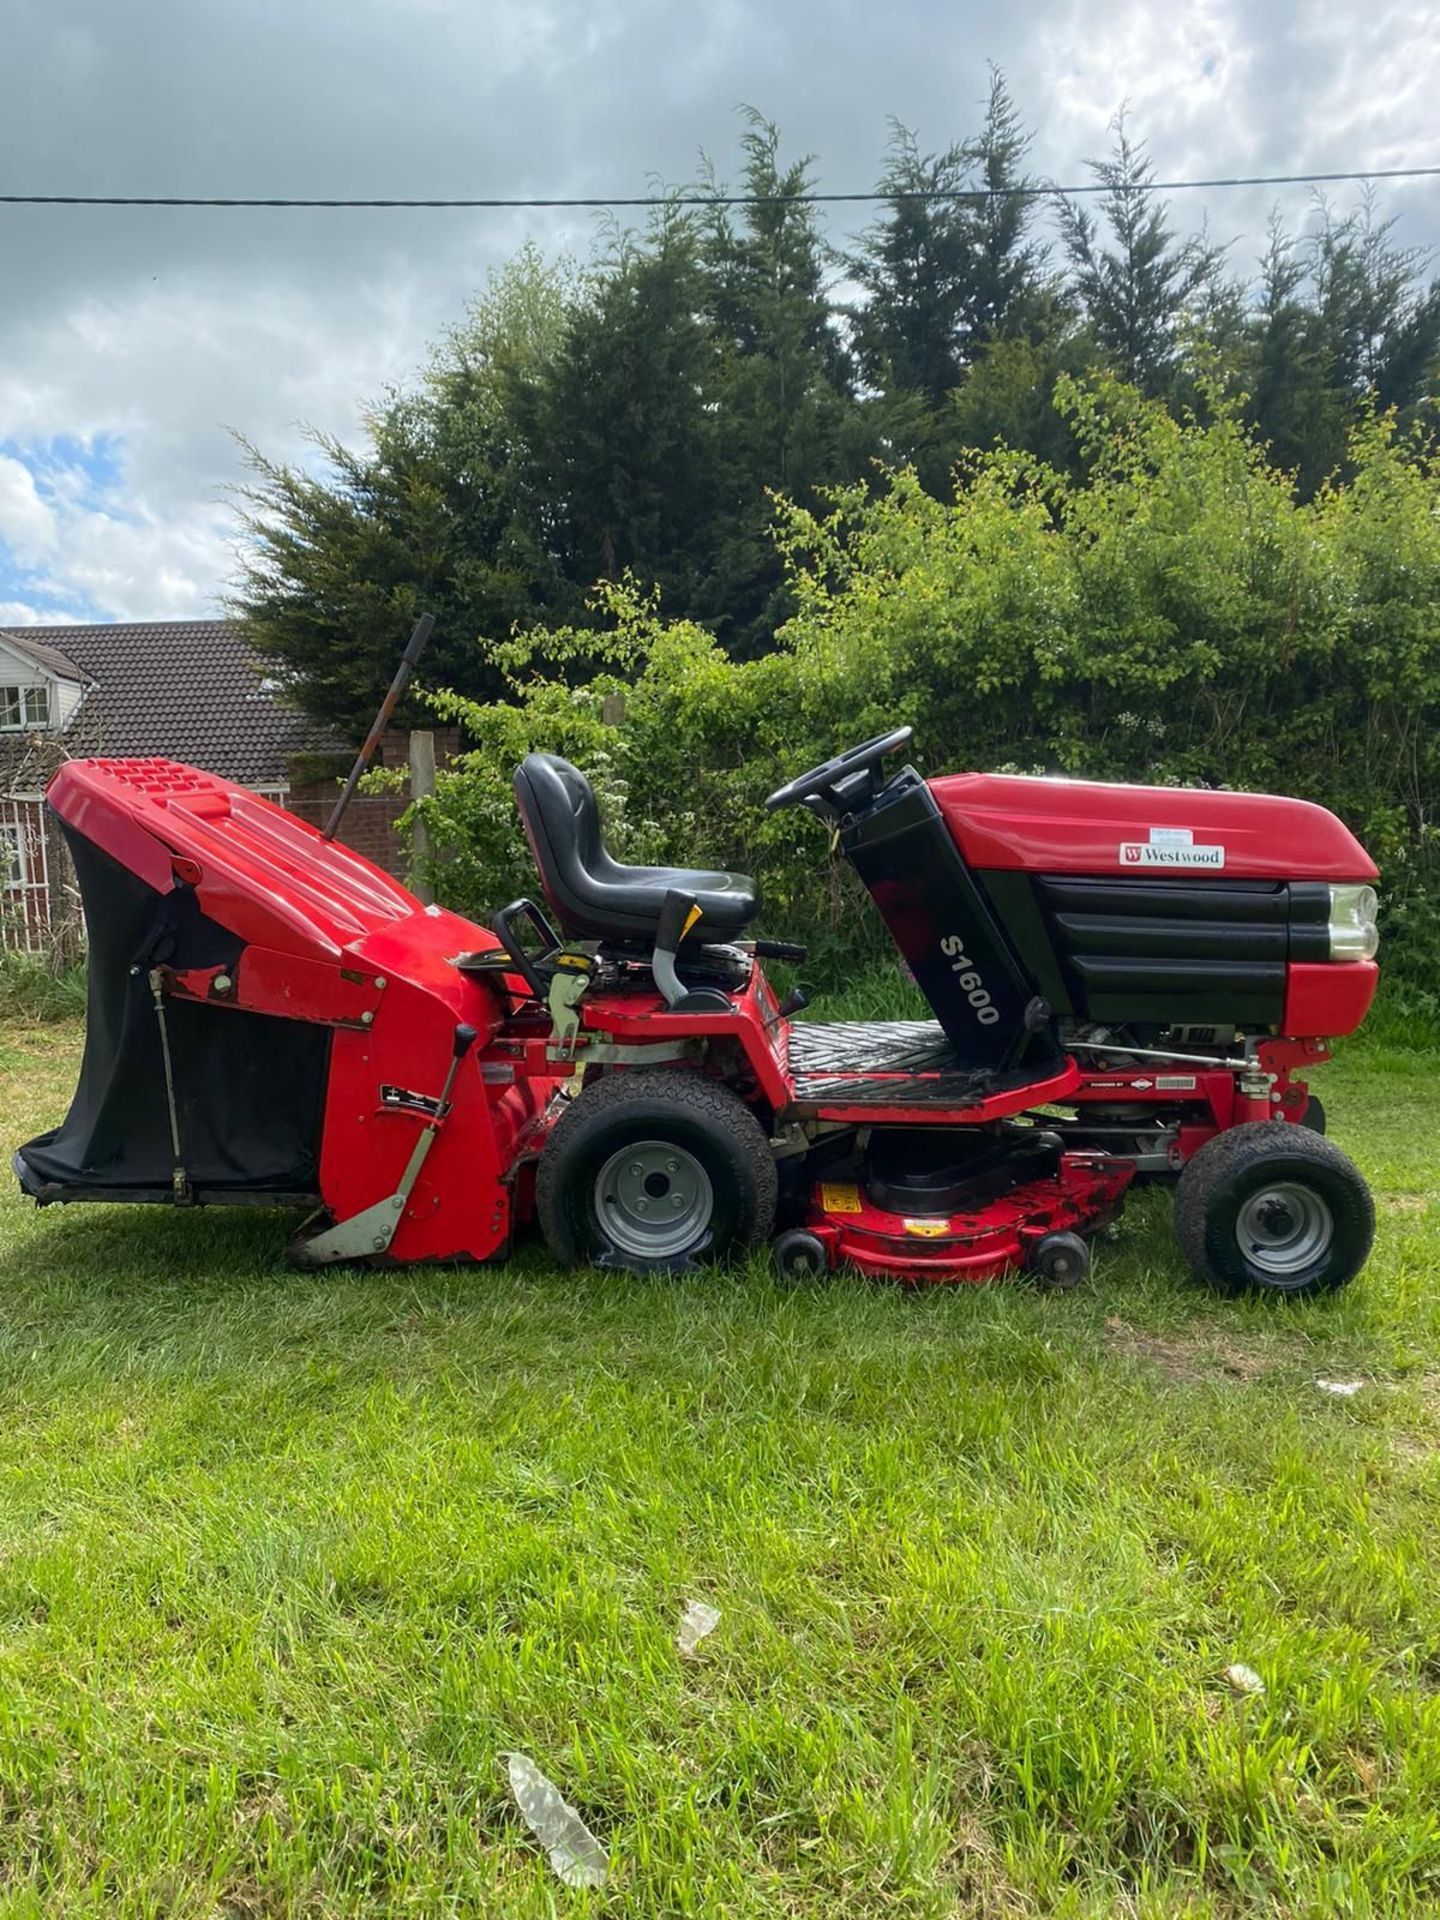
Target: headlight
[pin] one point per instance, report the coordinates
(1353, 932)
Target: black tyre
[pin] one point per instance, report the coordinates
(1314, 1115)
(655, 1170)
(1059, 1261)
(1270, 1207)
(800, 1255)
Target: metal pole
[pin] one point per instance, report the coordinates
(409, 660)
(422, 785)
(179, 1179)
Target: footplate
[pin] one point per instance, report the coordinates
(870, 1046)
(884, 1068)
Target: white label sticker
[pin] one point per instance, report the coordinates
(1171, 837)
(1147, 853)
(1175, 1083)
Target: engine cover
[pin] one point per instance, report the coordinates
(1013, 822)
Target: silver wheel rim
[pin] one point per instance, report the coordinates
(654, 1200)
(1283, 1230)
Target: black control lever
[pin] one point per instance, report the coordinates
(465, 1038)
(781, 950)
(503, 926)
(409, 660)
(463, 1041)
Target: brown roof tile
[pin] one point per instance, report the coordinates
(183, 689)
(48, 658)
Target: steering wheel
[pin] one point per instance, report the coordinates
(820, 780)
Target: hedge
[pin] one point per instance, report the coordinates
(1175, 615)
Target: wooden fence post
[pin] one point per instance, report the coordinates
(422, 784)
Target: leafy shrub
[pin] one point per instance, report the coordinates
(1175, 615)
(32, 991)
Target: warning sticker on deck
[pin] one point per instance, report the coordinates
(841, 1199)
(928, 1229)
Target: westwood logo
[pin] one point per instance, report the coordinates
(1150, 853)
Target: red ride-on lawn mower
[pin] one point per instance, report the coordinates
(1123, 980)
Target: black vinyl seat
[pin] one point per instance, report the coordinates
(596, 898)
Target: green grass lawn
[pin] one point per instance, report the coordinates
(287, 1562)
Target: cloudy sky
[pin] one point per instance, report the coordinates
(134, 343)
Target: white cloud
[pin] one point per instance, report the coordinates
(166, 382)
(18, 613)
(1180, 72)
(27, 525)
(156, 331)
(144, 567)
(1377, 84)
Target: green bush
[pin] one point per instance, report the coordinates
(1174, 615)
(34, 992)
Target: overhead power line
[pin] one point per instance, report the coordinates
(1044, 191)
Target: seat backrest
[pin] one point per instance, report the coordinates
(562, 823)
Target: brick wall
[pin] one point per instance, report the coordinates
(369, 823)
(368, 826)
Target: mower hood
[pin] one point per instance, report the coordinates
(1015, 822)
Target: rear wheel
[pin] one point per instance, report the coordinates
(1270, 1207)
(655, 1170)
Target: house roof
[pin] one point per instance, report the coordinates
(182, 689)
(49, 659)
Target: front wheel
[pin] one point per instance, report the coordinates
(1269, 1207)
(655, 1170)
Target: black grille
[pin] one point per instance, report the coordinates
(1178, 949)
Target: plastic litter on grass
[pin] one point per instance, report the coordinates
(575, 1853)
(696, 1621)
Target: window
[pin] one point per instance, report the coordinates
(24, 707)
(12, 854)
